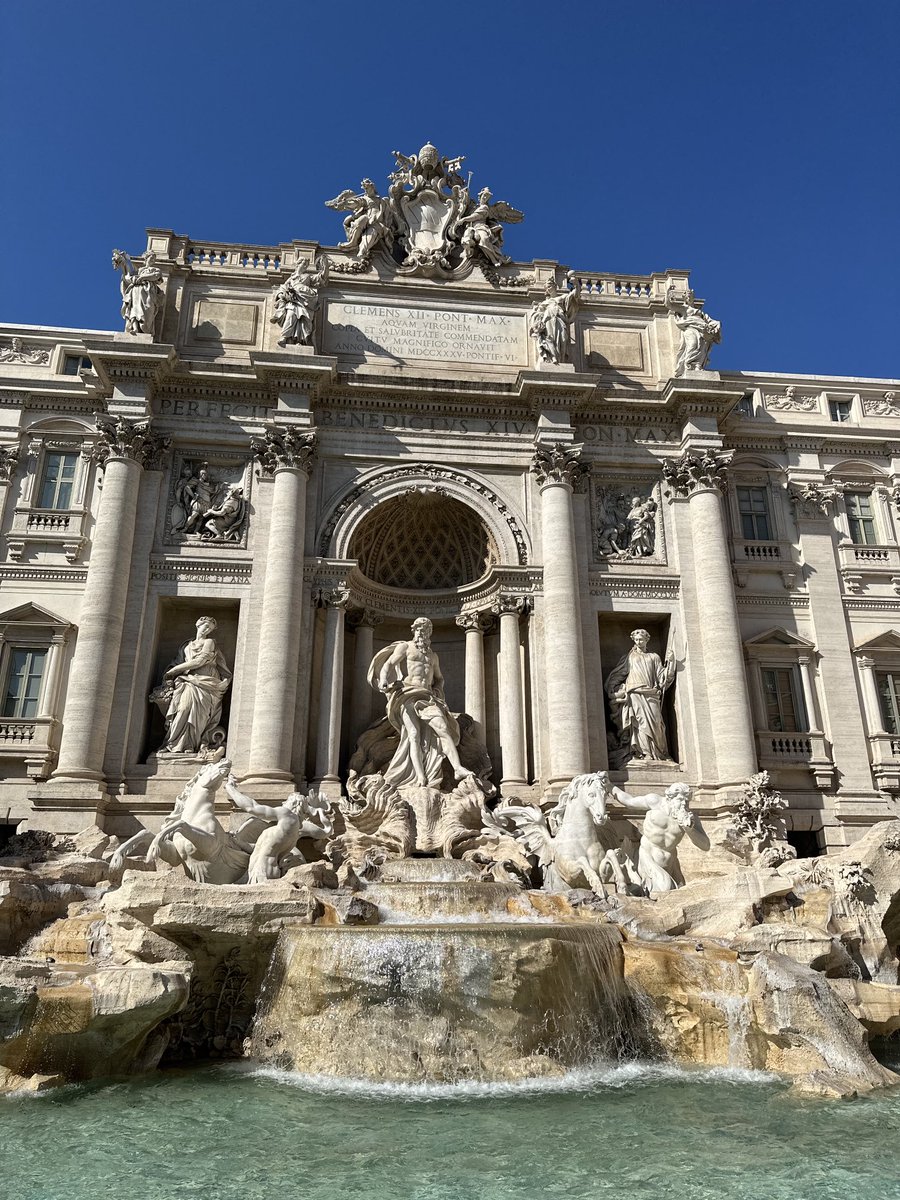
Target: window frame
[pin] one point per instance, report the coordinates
(874, 517)
(21, 700)
(753, 514)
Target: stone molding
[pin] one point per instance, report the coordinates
(181, 571)
(813, 501)
(281, 447)
(601, 584)
(118, 437)
(696, 472)
(557, 463)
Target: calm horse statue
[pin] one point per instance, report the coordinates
(194, 839)
(567, 841)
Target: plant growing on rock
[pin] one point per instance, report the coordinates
(757, 819)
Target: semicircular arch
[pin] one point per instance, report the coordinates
(350, 508)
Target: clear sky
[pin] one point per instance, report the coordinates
(754, 142)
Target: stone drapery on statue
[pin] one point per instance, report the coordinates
(635, 688)
(409, 674)
(192, 692)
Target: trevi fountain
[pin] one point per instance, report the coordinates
(447, 921)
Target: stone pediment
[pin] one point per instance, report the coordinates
(781, 638)
(33, 615)
(889, 640)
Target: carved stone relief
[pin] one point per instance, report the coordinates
(627, 522)
(790, 401)
(18, 352)
(208, 504)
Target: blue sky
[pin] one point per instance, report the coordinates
(755, 143)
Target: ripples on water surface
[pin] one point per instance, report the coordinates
(636, 1133)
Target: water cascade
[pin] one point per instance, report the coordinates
(450, 987)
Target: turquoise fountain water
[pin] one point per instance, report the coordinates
(638, 1132)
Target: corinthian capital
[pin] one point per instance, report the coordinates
(508, 603)
(283, 446)
(478, 620)
(694, 472)
(332, 597)
(558, 463)
(121, 438)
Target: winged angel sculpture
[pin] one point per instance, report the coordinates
(428, 222)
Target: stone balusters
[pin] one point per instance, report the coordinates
(335, 601)
(285, 456)
(124, 448)
(364, 621)
(476, 625)
(557, 470)
(512, 698)
(700, 478)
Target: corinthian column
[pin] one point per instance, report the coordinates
(512, 710)
(475, 624)
(701, 479)
(328, 739)
(557, 471)
(124, 449)
(361, 695)
(285, 455)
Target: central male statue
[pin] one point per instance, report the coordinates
(410, 676)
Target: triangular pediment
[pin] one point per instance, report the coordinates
(780, 637)
(33, 614)
(888, 640)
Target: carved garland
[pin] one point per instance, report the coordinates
(416, 470)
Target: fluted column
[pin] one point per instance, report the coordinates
(365, 620)
(557, 470)
(285, 455)
(328, 736)
(701, 478)
(124, 448)
(476, 625)
(512, 709)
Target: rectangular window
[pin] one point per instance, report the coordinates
(753, 504)
(73, 363)
(889, 695)
(57, 481)
(840, 410)
(785, 712)
(23, 683)
(861, 518)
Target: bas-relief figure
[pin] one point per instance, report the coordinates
(409, 674)
(635, 687)
(192, 693)
(211, 510)
(296, 302)
(699, 332)
(626, 527)
(141, 291)
(550, 318)
(18, 352)
(427, 224)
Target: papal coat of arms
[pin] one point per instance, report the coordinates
(428, 224)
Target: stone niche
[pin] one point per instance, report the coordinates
(615, 643)
(176, 624)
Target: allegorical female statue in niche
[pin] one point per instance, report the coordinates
(635, 687)
(191, 693)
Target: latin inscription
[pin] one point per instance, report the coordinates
(343, 418)
(402, 332)
(206, 409)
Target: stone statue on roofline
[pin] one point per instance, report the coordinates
(699, 332)
(141, 291)
(550, 319)
(297, 300)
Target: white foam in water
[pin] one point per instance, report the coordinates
(584, 1079)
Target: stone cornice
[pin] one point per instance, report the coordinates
(702, 393)
(556, 387)
(130, 358)
(294, 370)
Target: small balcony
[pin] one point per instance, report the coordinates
(777, 751)
(62, 529)
(29, 740)
(752, 556)
(885, 753)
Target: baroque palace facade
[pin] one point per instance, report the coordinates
(315, 446)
